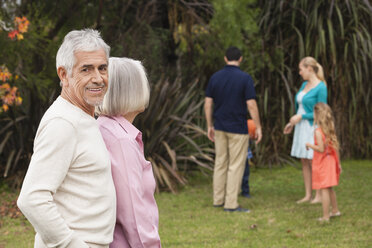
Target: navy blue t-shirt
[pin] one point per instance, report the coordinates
(230, 89)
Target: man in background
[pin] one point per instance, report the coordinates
(230, 93)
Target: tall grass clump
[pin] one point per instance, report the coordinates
(173, 142)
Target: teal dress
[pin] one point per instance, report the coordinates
(304, 130)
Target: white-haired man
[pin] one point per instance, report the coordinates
(68, 194)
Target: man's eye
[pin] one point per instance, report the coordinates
(103, 68)
(84, 69)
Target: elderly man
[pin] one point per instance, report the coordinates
(231, 91)
(68, 194)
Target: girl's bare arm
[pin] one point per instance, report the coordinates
(320, 144)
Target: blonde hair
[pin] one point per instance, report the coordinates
(325, 120)
(317, 68)
(128, 89)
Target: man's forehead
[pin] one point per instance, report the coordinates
(96, 57)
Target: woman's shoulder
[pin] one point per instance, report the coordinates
(110, 127)
(102, 119)
(322, 85)
(320, 88)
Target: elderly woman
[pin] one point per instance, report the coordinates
(137, 213)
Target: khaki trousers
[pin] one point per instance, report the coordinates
(231, 154)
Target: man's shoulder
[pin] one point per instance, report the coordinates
(243, 74)
(64, 111)
(218, 73)
(237, 71)
(228, 71)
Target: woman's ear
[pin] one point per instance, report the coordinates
(62, 74)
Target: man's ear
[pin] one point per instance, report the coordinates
(240, 59)
(226, 60)
(62, 74)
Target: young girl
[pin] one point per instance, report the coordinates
(326, 167)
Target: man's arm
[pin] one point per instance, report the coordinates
(54, 147)
(208, 104)
(253, 111)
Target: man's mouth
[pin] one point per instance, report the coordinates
(95, 89)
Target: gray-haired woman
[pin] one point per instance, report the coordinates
(137, 213)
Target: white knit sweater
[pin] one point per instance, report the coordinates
(68, 194)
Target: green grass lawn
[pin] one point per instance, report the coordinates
(189, 220)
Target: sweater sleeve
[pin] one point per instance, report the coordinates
(321, 97)
(54, 148)
(133, 215)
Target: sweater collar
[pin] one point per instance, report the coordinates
(72, 106)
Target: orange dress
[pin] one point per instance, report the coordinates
(325, 166)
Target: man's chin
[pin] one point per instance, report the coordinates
(94, 102)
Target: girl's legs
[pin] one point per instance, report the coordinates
(317, 198)
(306, 171)
(325, 202)
(333, 201)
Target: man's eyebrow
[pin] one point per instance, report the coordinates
(86, 66)
(90, 66)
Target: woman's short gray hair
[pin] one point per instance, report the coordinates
(128, 89)
(79, 40)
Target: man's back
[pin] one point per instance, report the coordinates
(230, 88)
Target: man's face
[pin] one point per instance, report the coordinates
(88, 82)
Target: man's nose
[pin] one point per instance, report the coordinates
(97, 76)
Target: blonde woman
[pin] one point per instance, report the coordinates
(137, 213)
(312, 91)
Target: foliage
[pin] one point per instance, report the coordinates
(8, 94)
(21, 27)
(338, 35)
(170, 134)
(10, 97)
(203, 36)
(181, 44)
(234, 24)
(141, 35)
